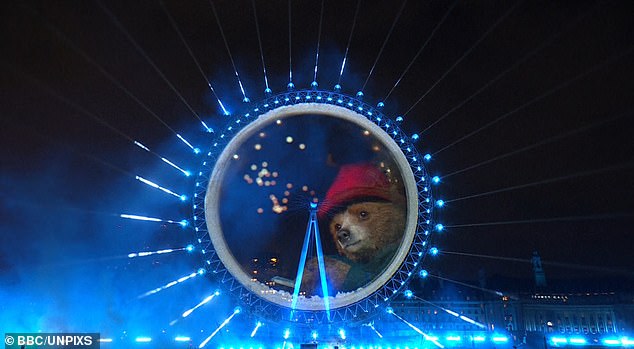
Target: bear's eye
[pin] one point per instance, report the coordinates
(338, 226)
(363, 214)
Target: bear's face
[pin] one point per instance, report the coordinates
(364, 228)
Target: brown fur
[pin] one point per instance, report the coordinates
(380, 225)
(335, 269)
(371, 226)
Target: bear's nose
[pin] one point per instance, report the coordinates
(343, 235)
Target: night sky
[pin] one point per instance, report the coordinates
(527, 107)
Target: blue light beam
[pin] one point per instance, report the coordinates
(138, 144)
(255, 330)
(311, 230)
(203, 302)
(233, 64)
(345, 56)
(371, 325)
(290, 49)
(142, 146)
(300, 271)
(223, 324)
(172, 283)
(321, 19)
(418, 330)
(154, 185)
(183, 223)
(320, 260)
(196, 150)
(500, 339)
(151, 253)
(145, 55)
(222, 106)
(257, 29)
(191, 54)
(185, 172)
(448, 311)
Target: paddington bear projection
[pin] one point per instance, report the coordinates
(365, 211)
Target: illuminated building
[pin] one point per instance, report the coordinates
(525, 316)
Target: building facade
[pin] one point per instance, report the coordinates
(532, 319)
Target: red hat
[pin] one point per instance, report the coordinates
(354, 182)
